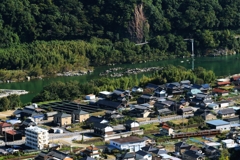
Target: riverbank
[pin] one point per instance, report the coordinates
(8, 92)
(221, 66)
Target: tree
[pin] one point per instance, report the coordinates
(224, 154)
(4, 104)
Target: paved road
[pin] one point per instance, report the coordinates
(53, 136)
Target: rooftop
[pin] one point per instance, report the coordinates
(130, 139)
(217, 122)
(4, 124)
(105, 93)
(36, 129)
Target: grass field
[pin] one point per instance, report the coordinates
(179, 121)
(5, 114)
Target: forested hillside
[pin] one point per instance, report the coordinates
(47, 33)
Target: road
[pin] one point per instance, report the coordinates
(53, 136)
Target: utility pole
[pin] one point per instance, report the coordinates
(192, 41)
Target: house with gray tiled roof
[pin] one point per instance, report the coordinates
(62, 119)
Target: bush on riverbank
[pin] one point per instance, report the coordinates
(74, 89)
(10, 102)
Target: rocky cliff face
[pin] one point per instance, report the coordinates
(138, 28)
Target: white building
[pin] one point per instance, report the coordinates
(229, 143)
(36, 137)
(90, 97)
(132, 143)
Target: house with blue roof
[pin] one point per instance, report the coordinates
(219, 124)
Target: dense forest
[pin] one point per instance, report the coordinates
(74, 90)
(62, 35)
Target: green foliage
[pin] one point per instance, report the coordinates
(224, 155)
(10, 102)
(73, 90)
(43, 36)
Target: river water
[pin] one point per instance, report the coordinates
(225, 65)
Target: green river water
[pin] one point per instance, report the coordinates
(225, 65)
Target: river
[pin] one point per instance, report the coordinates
(224, 65)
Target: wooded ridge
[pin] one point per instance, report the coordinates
(62, 35)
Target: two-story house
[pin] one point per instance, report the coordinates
(132, 143)
(102, 129)
(62, 119)
(131, 125)
(79, 115)
(228, 112)
(166, 130)
(91, 151)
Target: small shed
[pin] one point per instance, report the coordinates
(90, 97)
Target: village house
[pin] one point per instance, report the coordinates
(224, 104)
(185, 111)
(102, 129)
(140, 155)
(91, 151)
(53, 154)
(213, 106)
(113, 115)
(139, 111)
(211, 152)
(62, 119)
(163, 104)
(232, 120)
(110, 105)
(165, 112)
(166, 130)
(203, 88)
(49, 116)
(223, 83)
(145, 98)
(125, 156)
(93, 119)
(137, 89)
(5, 127)
(191, 92)
(180, 147)
(105, 95)
(192, 155)
(12, 135)
(161, 94)
(149, 141)
(220, 92)
(208, 116)
(132, 143)
(174, 88)
(201, 100)
(131, 125)
(229, 143)
(79, 115)
(227, 112)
